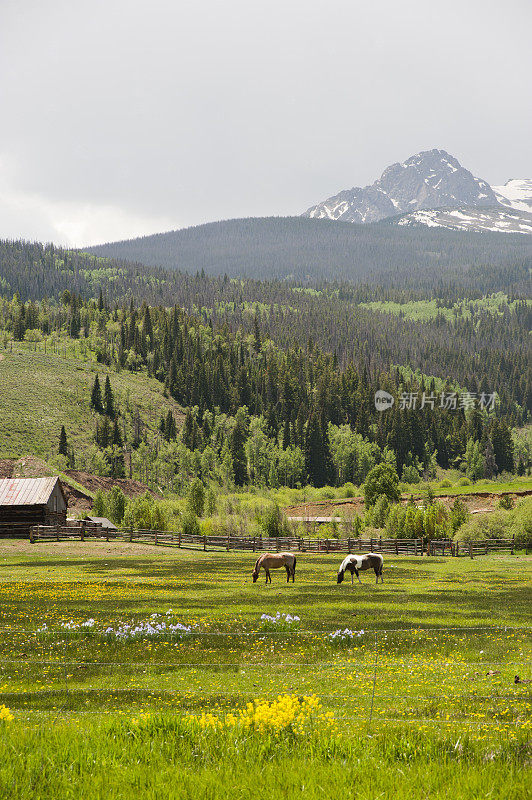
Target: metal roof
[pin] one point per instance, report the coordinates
(26, 491)
(104, 522)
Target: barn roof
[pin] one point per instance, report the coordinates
(104, 522)
(27, 491)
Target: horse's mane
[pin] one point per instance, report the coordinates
(257, 562)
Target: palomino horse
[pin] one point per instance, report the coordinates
(270, 561)
(359, 563)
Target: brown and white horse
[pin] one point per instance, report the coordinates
(270, 561)
(359, 563)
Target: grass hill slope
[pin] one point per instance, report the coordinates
(40, 392)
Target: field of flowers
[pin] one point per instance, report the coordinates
(123, 667)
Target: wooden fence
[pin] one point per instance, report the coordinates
(442, 547)
(230, 542)
(299, 544)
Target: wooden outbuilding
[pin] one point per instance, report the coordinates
(103, 523)
(30, 501)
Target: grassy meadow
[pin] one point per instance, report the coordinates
(417, 700)
(42, 391)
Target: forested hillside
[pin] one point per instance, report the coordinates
(320, 249)
(473, 339)
(256, 413)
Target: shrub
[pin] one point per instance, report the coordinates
(377, 515)
(506, 502)
(458, 515)
(274, 522)
(138, 513)
(349, 490)
(381, 480)
(210, 502)
(99, 505)
(116, 505)
(521, 523)
(196, 497)
(190, 524)
(410, 474)
(445, 484)
(484, 526)
(464, 482)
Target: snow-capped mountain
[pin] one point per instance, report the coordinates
(516, 193)
(432, 188)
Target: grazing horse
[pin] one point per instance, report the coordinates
(359, 563)
(270, 561)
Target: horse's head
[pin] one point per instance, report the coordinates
(255, 575)
(340, 577)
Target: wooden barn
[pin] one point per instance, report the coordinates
(30, 501)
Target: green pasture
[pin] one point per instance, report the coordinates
(422, 703)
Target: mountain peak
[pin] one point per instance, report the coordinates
(428, 179)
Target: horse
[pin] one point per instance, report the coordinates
(359, 563)
(270, 561)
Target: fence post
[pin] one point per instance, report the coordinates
(32, 536)
(349, 545)
(229, 541)
(396, 547)
(155, 542)
(470, 550)
(204, 541)
(82, 532)
(254, 544)
(131, 534)
(179, 539)
(513, 545)
(457, 548)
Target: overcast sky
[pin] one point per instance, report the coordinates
(120, 118)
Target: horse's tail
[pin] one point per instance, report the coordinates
(294, 564)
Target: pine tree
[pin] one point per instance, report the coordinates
(96, 396)
(318, 461)
(238, 453)
(117, 435)
(104, 434)
(170, 426)
(109, 400)
(63, 445)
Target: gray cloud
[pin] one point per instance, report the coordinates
(124, 117)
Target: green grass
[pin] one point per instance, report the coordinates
(97, 718)
(40, 392)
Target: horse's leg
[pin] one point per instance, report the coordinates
(293, 573)
(358, 576)
(352, 576)
(287, 573)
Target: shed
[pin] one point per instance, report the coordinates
(103, 522)
(30, 501)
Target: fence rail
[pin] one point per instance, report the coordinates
(300, 544)
(442, 547)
